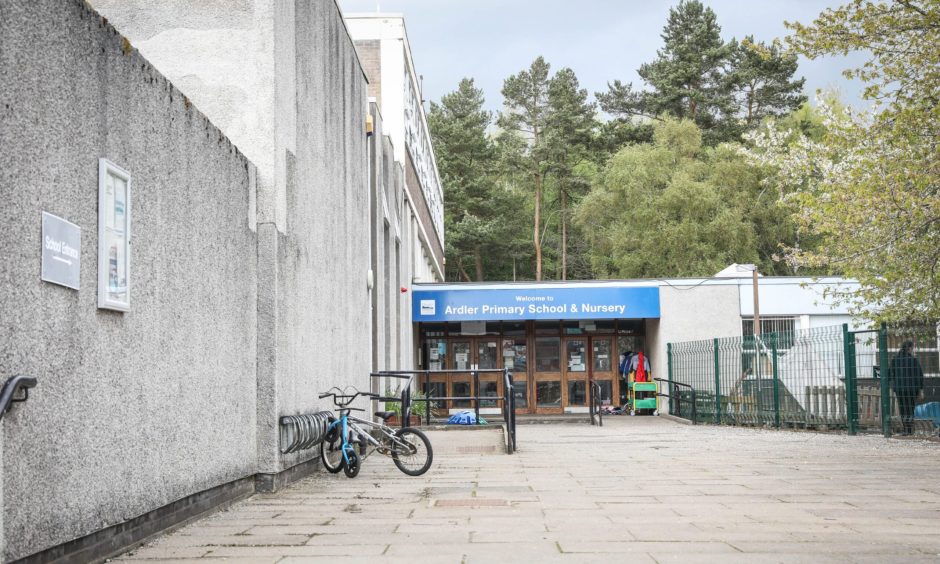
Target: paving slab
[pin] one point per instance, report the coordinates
(642, 489)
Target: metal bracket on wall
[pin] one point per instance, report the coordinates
(8, 393)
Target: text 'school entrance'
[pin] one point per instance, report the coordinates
(553, 363)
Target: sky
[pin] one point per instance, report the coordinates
(601, 40)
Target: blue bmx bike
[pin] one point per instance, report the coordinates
(408, 447)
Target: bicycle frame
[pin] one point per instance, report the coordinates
(351, 423)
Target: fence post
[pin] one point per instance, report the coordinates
(851, 389)
(773, 351)
(717, 385)
(672, 401)
(884, 374)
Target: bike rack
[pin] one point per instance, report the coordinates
(300, 432)
(8, 393)
(677, 399)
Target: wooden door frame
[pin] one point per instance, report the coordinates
(489, 377)
(522, 376)
(584, 376)
(546, 377)
(610, 375)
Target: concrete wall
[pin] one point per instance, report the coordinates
(221, 55)
(323, 286)
(284, 80)
(391, 323)
(133, 410)
(690, 313)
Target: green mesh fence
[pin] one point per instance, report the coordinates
(823, 378)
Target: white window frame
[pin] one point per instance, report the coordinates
(106, 298)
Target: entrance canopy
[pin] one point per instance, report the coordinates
(548, 301)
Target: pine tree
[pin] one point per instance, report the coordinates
(570, 135)
(466, 159)
(524, 121)
(687, 77)
(761, 81)
(724, 88)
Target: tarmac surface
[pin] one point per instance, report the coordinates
(639, 489)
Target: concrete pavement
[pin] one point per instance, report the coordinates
(640, 489)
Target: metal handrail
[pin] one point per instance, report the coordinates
(594, 404)
(13, 385)
(678, 398)
(508, 398)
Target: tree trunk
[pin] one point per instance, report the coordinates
(536, 238)
(478, 262)
(463, 272)
(538, 220)
(564, 235)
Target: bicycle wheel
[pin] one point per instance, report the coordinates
(416, 458)
(331, 454)
(352, 468)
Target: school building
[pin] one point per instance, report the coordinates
(557, 337)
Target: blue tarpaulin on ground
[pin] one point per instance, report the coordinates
(465, 418)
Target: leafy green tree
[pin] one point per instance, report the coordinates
(467, 161)
(870, 186)
(672, 208)
(523, 142)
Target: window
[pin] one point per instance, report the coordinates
(577, 361)
(783, 326)
(114, 237)
(548, 394)
(514, 355)
(547, 354)
(437, 354)
(602, 359)
(577, 392)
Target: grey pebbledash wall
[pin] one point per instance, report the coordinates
(139, 409)
(321, 296)
(249, 286)
(283, 80)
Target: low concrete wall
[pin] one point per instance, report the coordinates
(133, 410)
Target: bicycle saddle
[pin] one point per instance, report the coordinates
(384, 415)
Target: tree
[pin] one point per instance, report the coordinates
(725, 88)
(870, 187)
(569, 140)
(526, 99)
(672, 208)
(687, 77)
(467, 158)
(761, 80)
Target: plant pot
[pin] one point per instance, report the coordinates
(394, 421)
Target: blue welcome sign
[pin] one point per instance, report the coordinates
(506, 304)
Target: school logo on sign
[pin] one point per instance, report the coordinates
(428, 307)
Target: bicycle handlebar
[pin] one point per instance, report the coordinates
(343, 398)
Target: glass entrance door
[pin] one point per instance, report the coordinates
(576, 373)
(515, 353)
(603, 367)
(475, 354)
(487, 358)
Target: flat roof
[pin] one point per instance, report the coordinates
(635, 283)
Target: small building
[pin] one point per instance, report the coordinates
(557, 337)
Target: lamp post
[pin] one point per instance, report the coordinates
(756, 304)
